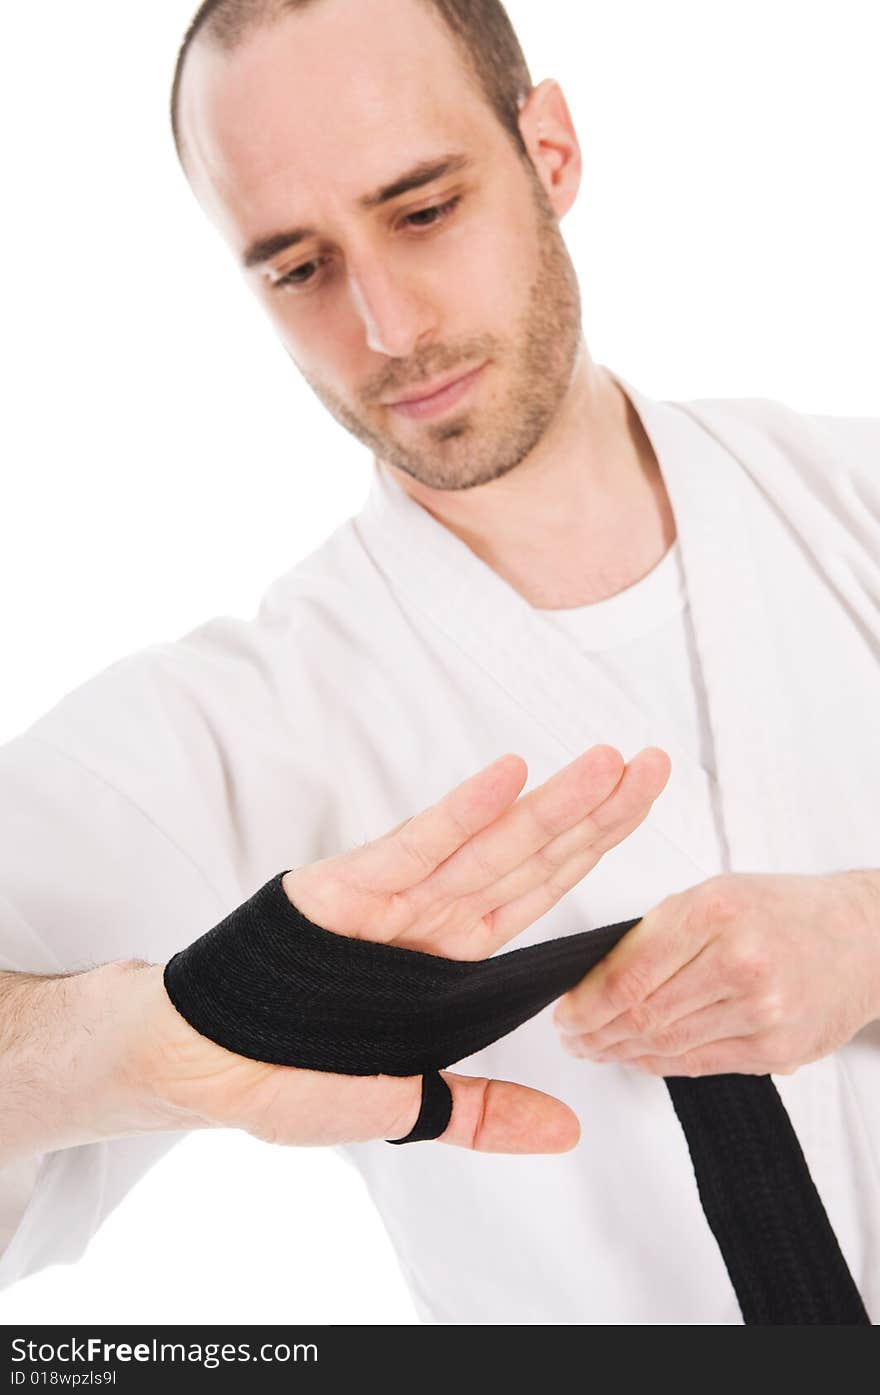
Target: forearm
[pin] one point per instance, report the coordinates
(69, 1054)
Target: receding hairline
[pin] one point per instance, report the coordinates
(225, 25)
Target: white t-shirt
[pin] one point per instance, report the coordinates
(643, 640)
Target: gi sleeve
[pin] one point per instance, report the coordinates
(86, 876)
(134, 814)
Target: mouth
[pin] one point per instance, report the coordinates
(438, 398)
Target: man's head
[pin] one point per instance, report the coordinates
(394, 184)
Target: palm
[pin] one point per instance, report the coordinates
(465, 876)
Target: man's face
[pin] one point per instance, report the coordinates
(379, 300)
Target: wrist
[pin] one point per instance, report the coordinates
(142, 1103)
(68, 1064)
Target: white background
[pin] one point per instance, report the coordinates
(163, 462)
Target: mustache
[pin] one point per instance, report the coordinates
(399, 377)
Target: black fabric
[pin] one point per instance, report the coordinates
(269, 984)
(760, 1201)
(435, 1111)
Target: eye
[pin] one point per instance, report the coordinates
(300, 275)
(437, 213)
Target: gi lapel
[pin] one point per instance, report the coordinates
(713, 501)
(817, 475)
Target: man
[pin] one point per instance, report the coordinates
(548, 561)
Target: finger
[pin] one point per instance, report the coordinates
(663, 942)
(497, 1116)
(529, 893)
(535, 820)
(714, 1023)
(735, 1056)
(286, 1105)
(608, 824)
(412, 850)
(695, 986)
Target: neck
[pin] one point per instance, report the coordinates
(585, 515)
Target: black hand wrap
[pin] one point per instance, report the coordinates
(269, 984)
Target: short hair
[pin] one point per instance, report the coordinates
(480, 28)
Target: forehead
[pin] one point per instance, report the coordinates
(322, 106)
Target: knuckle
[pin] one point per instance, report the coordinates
(626, 987)
(486, 868)
(556, 887)
(546, 859)
(601, 843)
(668, 1041)
(748, 966)
(414, 849)
(643, 1020)
(647, 1065)
(769, 1009)
(553, 873)
(691, 1065)
(477, 1101)
(718, 901)
(544, 823)
(459, 823)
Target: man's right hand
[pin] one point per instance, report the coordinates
(459, 879)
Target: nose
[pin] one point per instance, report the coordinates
(395, 316)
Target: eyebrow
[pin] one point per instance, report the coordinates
(263, 249)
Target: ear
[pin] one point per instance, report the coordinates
(552, 143)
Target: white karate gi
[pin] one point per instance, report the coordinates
(379, 672)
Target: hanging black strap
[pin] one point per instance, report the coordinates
(761, 1203)
(269, 984)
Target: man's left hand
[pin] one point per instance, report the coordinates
(744, 973)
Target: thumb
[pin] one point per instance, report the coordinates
(497, 1116)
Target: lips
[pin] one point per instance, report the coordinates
(424, 394)
(439, 397)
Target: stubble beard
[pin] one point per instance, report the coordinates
(478, 445)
